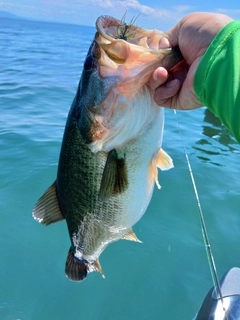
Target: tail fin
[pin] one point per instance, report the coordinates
(75, 269)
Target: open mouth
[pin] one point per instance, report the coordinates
(113, 29)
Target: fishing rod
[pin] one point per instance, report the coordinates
(207, 244)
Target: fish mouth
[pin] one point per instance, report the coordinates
(129, 51)
(113, 29)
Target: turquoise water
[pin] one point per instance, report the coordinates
(167, 276)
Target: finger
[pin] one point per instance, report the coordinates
(159, 76)
(164, 42)
(170, 39)
(166, 92)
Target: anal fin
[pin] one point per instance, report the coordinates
(130, 235)
(114, 179)
(47, 209)
(97, 267)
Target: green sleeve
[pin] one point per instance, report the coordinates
(217, 79)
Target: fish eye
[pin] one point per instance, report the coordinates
(88, 64)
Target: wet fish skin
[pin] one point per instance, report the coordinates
(110, 152)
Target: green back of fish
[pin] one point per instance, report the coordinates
(79, 175)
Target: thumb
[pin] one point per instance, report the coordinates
(170, 38)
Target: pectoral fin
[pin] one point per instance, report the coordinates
(47, 209)
(114, 179)
(164, 162)
(160, 160)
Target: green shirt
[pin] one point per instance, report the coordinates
(217, 79)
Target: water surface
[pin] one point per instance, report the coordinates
(167, 276)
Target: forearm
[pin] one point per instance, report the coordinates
(217, 79)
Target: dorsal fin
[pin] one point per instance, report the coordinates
(114, 179)
(130, 235)
(47, 209)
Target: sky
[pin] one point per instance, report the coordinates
(157, 14)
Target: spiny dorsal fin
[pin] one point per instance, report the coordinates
(47, 209)
(130, 235)
(114, 179)
(75, 269)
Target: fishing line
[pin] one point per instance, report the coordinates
(209, 253)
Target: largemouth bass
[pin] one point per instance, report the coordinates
(111, 148)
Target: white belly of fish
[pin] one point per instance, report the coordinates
(139, 154)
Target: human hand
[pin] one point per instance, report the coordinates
(193, 34)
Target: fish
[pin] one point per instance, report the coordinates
(112, 145)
